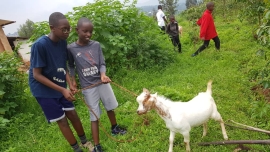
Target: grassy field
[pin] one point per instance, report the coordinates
(228, 68)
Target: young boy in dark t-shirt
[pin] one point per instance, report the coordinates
(47, 80)
(91, 68)
(173, 31)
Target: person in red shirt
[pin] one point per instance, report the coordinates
(208, 29)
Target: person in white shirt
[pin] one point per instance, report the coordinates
(161, 18)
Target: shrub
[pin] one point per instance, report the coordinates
(128, 37)
(263, 31)
(11, 86)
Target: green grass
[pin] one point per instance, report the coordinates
(229, 69)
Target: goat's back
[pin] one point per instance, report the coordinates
(194, 112)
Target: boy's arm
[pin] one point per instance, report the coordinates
(37, 73)
(71, 72)
(103, 77)
(71, 82)
(177, 27)
(168, 29)
(164, 18)
(204, 26)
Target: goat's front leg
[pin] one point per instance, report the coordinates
(172, 134)
(186, 140)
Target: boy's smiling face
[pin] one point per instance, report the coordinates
(85, 32)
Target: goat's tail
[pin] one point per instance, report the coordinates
(209, 87)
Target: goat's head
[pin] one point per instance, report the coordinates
(146, 101)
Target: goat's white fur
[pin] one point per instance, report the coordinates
(181, 116)
(180, 29)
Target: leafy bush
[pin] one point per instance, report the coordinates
(11, 86)
(252, 10)
(263, 31)
(129, 38)
(261, 74)
(40, 28)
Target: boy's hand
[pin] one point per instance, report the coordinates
(68, 95)
(73, 88)
(105, 79)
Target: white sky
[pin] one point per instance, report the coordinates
(40, 10)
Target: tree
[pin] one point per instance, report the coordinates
(26, 30)
(190, 3)
(169, 6)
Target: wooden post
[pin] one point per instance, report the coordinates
(263, 142)
(4, 44)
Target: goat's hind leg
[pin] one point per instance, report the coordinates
(218, 118)
(171, 139)
(225, 136)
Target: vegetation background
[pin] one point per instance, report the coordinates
(138, 57)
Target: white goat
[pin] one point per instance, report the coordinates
(181, 116)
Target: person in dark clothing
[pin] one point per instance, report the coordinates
(208, 29)
(173, 31)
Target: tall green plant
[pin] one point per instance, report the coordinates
(11, 86)
(263, 32)
(252, 10)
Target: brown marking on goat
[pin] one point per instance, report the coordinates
(147, 97)
(161, 112)
(148, 105)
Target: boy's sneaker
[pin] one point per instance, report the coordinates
(88, 145)
(118, 130)
(194, 55)
(97, 148)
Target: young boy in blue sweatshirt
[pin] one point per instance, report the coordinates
(87, 55)
(48, 80)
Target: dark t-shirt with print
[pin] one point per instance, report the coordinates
(52, 58)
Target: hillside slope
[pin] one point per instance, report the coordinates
(231, 69)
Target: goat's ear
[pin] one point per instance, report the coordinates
(146, 91)
(155, 95)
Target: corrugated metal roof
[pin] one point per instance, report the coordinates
(5, 22)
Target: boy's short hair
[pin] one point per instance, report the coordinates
(172, 16)
(159, 6)
(83, 20)
(55, 17)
